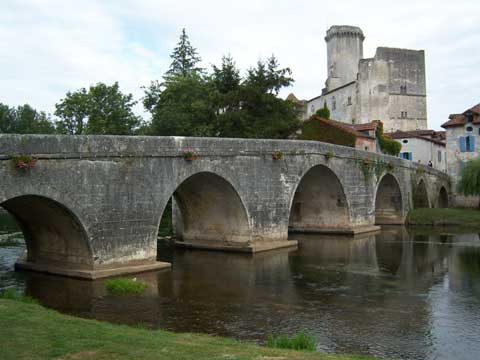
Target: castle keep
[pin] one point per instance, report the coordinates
(388, 87)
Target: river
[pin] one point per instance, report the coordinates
(400, 293)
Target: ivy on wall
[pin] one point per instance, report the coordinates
(313, 129)
(388, 146)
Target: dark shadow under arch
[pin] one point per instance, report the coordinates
(420, 196)
(53, 234)
(388, 202)
(209, 212)
(319, 202)
(443, 198)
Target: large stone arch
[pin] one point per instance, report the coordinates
(209, 213)
(388, 201)
(319, 203)
(420, 196)
(442, 198)
(55, 237)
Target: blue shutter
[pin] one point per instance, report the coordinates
(410, 156)
(472, 143)
(462, 143)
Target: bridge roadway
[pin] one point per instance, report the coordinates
(91, 205)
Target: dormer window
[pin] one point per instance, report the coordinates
(469, 118)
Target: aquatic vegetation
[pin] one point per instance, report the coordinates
(299, 341)
(122, 286)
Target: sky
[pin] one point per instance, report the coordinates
(49, 47)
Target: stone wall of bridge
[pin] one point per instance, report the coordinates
(92, 204)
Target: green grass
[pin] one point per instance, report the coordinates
(299, 341)
(12, 294)
(445, 217)
(29, 331)
(120, 286)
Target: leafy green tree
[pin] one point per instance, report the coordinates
(24, 120)
(101, 110)
(323, 112)
(469, 183)
(254, 110)
(184, 58)
(184, 107)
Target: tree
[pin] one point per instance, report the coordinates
(24, 120)
(184, 107)
(254, 109)
(184, 58)
(323, 112)
(103, 110)
(469, 183)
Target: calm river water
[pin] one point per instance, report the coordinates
(396, 294)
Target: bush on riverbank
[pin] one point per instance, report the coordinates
(40, 333)
(300, 341)
(122, 286)
(12, 294)
(444, 217)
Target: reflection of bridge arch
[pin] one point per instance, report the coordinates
(211, 212)
(388, 201)
(54, 235)
(319, 202)
(442, 198)
(420, 196)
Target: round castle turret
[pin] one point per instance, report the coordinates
(344, 50)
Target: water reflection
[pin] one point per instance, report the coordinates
(394, 294)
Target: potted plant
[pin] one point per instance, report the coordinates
(190, 155)
(24, 162)
(277, 155)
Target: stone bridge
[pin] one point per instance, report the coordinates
(91, 205)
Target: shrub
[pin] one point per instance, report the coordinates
(121, 286)
(329, 154)
(24, 161)
(189, 155)
(277, 155)
(323, 112)
(300, 341)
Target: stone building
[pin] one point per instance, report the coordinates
(423, 146)
(463, 144)
(388, 87)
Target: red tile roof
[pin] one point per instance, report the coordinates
(415, 134)
(460, 119)
(368, 126)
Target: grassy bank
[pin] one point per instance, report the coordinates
(29, 331)
(445, 217)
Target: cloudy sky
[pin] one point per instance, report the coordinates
(48, 47)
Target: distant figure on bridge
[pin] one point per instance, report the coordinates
(430, 163)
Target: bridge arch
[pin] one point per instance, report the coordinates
(209, 212)
(54, 235)
(420, 196)
(388, 201)
(319, 202)
(442, 198)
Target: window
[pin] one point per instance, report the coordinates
(312, 109)
(467, 143)
(469, 118)
(403, 114)
(469, 129)
(405, 141)
(406, 155)
(334, 103)
(403, 89)
(439, 155)
(349, 100)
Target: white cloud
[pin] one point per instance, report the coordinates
(50, 47)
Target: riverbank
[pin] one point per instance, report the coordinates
(29, 331)
(445, 217)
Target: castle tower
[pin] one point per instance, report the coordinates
(344, 50)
